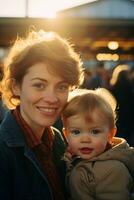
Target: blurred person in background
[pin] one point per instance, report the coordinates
(98, 78)
(87, 77)
(132, 78)
(121, 88)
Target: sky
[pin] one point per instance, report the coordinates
(35, 8)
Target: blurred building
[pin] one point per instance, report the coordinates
(102, 30)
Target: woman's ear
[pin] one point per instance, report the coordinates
(15, 87)
(111, 134)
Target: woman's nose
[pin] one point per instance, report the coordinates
(50, 96)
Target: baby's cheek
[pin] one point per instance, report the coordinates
(72, 147)
(100, 147)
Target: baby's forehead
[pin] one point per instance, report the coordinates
(87, 122)
(94, 116)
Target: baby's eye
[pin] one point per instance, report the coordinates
(75, 132)
(95, 131)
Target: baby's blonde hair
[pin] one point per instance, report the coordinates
(85, 102)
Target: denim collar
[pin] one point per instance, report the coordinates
(11, 132)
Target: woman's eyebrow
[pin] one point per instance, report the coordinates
(38, 78)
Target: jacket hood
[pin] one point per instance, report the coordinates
(120, 151)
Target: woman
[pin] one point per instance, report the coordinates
(39, 71)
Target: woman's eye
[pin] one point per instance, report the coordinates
(63, 87)
(75, 132)
(39, 86)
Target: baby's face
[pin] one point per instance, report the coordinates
(87, 139)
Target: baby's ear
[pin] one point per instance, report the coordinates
(112, 134)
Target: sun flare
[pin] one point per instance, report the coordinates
(46, 9)
(49, 8)
(36, 8)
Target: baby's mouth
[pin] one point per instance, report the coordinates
(86, 150)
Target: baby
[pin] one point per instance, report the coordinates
(102, 166)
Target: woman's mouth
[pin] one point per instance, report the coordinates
(47, 111)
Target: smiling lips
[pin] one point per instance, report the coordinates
(86, 150)
(49, 111)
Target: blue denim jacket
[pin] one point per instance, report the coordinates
(21, 177)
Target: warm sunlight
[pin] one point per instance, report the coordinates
(35, 8)
(41, 9)
(48, 8)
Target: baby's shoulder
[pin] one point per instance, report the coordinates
(101, 169)
(111, 168)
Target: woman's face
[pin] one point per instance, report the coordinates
(42, 96)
